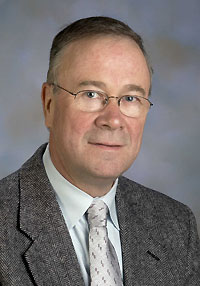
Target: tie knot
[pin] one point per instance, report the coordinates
(97, 214)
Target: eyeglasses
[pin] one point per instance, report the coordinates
(93, 101)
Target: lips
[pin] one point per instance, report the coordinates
(108, 140)
(105, 144)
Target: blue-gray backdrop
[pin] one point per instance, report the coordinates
(169, 160)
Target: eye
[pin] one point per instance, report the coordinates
(130, 98)
(91, 94)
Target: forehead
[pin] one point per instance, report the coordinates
(105, 56)
(96, 46)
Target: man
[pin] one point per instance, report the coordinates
(95, 104)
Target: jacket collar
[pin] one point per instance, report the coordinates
(51, 255)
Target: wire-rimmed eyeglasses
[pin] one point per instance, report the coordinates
(93, 101)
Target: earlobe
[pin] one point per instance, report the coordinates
(47, 103)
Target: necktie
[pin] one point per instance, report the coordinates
(104, 266)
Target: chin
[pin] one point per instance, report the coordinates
(110, 173)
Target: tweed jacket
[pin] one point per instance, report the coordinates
(159, 240)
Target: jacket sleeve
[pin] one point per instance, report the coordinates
(192, 270)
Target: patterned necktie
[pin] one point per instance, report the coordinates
(104, 266)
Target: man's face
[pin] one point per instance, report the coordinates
(85, 146)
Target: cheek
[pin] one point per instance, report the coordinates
(78, 124)
(136, 132)
(71, 125)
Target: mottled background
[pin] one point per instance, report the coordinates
(169, 160)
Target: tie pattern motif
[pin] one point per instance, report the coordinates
(104, 265)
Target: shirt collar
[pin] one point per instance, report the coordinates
(73, 201)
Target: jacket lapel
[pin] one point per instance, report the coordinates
(146, 261)
(51, 258)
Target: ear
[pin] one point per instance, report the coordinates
(48, 101)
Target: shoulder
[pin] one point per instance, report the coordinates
(135, 191)
(10, 185)
(168, 220)
(155, 206)
(9, 203)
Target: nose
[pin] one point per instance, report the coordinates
(110, 117)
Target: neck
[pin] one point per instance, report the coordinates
(95, 187)
(98, 188)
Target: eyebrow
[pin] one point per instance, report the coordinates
(100, 84)
(135, 87)
(95, 83)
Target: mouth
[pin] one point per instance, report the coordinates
(110, 146)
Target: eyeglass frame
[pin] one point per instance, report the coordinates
(107, 97)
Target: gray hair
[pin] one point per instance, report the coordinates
(86, 28)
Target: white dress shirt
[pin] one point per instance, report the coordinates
(74, 203)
